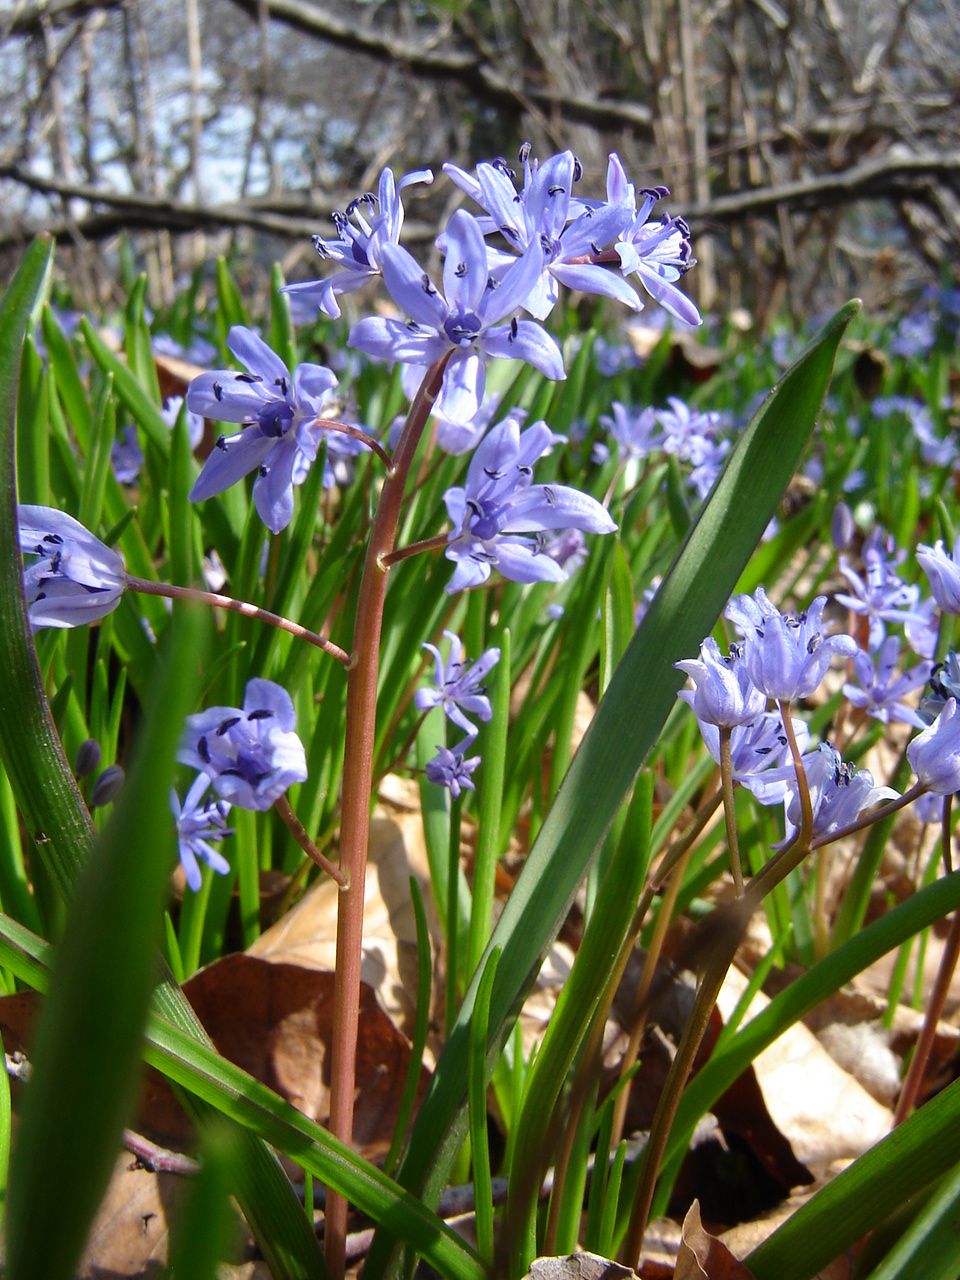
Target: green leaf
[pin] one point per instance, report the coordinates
(95, 474)
(139, 349)
(931, 1246)
(618, 625)
(129, 391)
(86, 1050)
(33, 430)
(67, 376)
(641, 693)
(592, 970)
(231, 310)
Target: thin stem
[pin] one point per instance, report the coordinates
(361, 721)
(355, 433)
(806, 808)
(299, 833)
(714, 972)
(414, 549)
(946, 835)
(729, 812)
(145, 587)
(641, 1003)
(453, 913)
(921, 1054)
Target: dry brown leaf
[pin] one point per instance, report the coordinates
(307, 935)
(129, 1236)
(578, 1266)
(276, 1021)
(823, 1112)
(704, 1257)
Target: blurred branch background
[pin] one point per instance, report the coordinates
(814, 146)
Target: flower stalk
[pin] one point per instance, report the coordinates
(145, 587)
(361, 718)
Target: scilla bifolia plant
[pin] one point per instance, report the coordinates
(304, 731)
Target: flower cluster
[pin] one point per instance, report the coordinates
(499, 515)
(458, 689)
(282, 416)
(252, 753)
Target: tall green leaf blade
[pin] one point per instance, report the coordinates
(641, 693)
(86, 1054)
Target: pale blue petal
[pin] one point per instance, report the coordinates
(230, 462)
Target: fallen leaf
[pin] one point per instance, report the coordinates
(129, 1236)
(578, 1266)
(704, 1257)
(276, 1021)
(823, 1112)
(307, 935)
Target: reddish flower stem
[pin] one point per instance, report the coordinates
(357, 786)
(355, 433)
(145, 587)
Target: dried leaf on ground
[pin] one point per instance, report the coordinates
(129, 1236)
(578, 1266)
(704, 1257)
(307, 935)
(276, 1021)
(820, 1108)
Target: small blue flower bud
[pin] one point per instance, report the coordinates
(842, 527)
(88, 758)
(107, 786)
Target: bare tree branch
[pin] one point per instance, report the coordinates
(465, 68)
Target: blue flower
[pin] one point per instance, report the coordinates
(635, 431)
(881, 690)
(499, 515)
(126, 456)
(787, 655)
(724, 695)
(75, 579)
(449, 769)
(465, 319)
(197, 825)
(545, 211)
(282, 417)
(358, 245)
(459, 688)
(252, 755)
(839, 792)
(881, 595)
(659, 252)
(687, 432)
(943, 572)
(760, 754)
(934, 755)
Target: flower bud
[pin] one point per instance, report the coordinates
(88, 758)
(842, 527)
(934, 755)
(107, 786)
